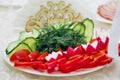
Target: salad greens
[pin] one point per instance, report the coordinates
(52, 38)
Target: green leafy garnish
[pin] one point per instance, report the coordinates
(52, 38)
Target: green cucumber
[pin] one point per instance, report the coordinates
(89, 29)
(28, 43)
(11, 46)
(35, 33)
(24, 34)
(31, 42)
(19, 47)
(80, 27)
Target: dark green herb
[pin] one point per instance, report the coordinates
(52, 38)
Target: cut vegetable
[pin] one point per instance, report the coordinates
(19, 47)
(35, 33)
(89, 29)
(24, 34)
(28, 43)
(80, 27)
(11, 46)
(31, 42)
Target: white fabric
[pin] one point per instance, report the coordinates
(7, 30)
(13, 2)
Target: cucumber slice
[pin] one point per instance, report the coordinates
(25, 34)
(89, 29)
(19, 47)
(11, 46)
(80, 27)
(28, 43)
(35, 33)
(31, 42)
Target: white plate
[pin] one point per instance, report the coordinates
(55, 74)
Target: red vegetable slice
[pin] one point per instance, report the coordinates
(79, 50)
(27, 64)
(90, 49)
(61, 60)
(100, 45)
(51, 66)
(70, 52)
(70, 65)
(106, 61)
(92, 64)
(42, 56)
(20, 55)
(32, 56)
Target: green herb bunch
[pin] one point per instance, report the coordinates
(53, 38)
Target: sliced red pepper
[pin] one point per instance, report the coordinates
(40, 66)
(27, 64)
(106, 61)
(100, 56)
(42, 56)
(51, 66)
(61, 60)
(75, 64)
(73, 57)
(92, 64)
(67, 69)
(105, 50)
(96, 59)
(32, 56)
(70, 65)
(22, 64)
(83, 63)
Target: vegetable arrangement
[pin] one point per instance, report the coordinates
(63, 47)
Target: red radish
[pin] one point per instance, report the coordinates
(79, 50)
(90, 49)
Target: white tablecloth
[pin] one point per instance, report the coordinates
(110, 72)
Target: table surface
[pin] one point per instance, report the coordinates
(7, 72)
